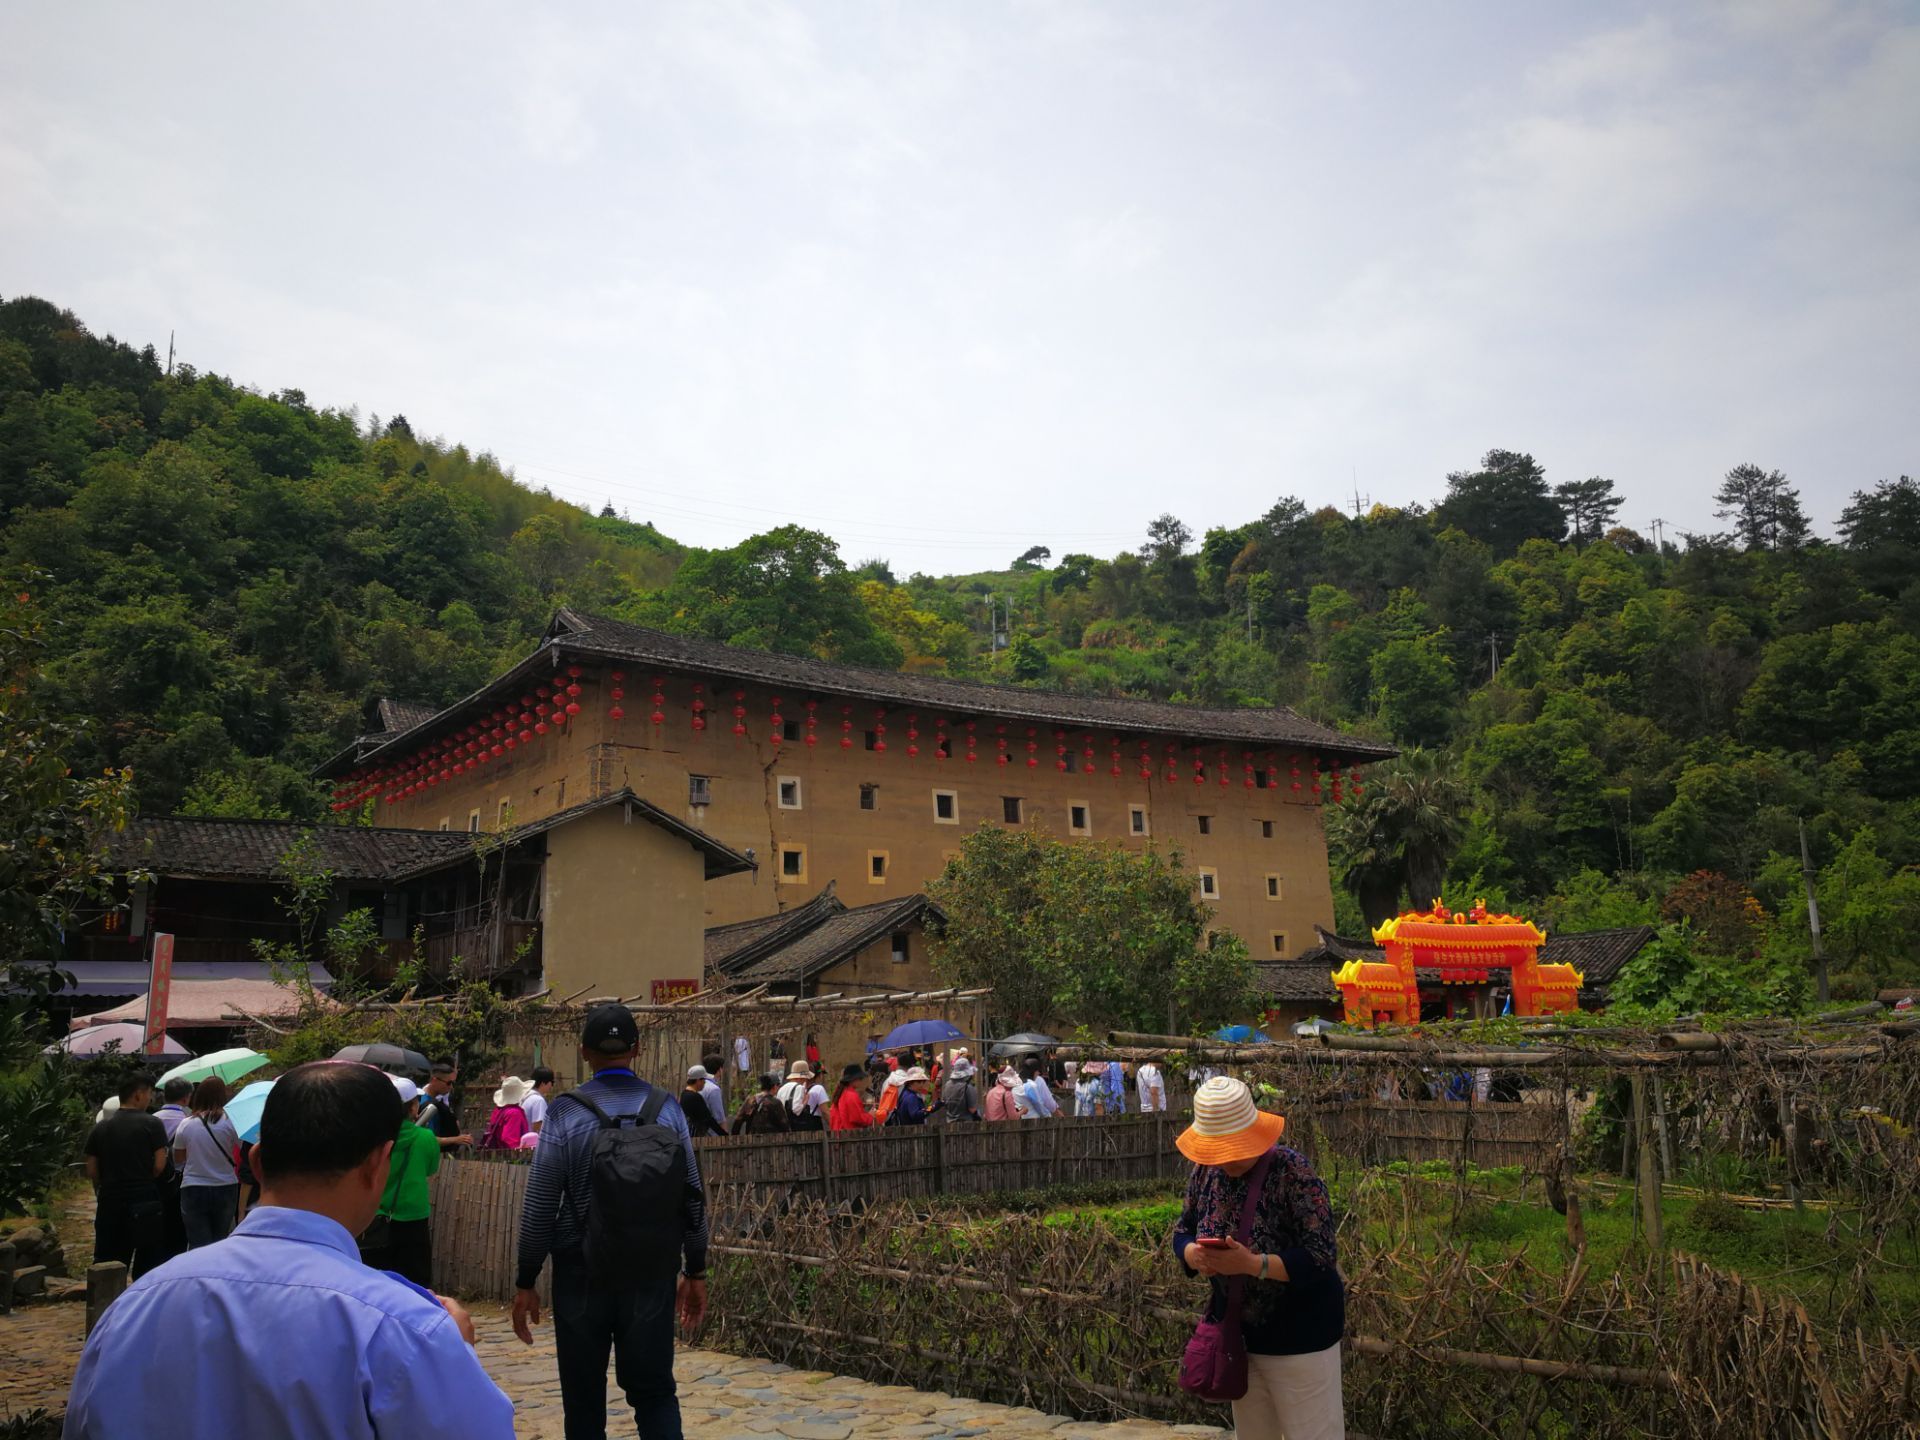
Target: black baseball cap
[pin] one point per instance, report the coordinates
(610, 1029)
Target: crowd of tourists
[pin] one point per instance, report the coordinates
(911, 1086)
(298, 1300)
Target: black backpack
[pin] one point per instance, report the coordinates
(636, 1188)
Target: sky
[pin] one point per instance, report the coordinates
(950, 280)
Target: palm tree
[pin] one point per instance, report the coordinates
(1399, 838)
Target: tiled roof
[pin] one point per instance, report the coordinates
(618, 639)
(251, 849)
(731, 948)
(186, 846)
(833, 938)
(1596, 954)
(1295, 980)
(399, 716)
(576, 633)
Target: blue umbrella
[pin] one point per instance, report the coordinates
(244, 1109)
(1241, 1034)
(921, 1032)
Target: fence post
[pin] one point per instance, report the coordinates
(1649, 1166)
(940, 1156)
(826, 1161)
(105, 1282)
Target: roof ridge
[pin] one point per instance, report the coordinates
(934, 676)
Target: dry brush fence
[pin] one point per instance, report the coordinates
(1082, 1320)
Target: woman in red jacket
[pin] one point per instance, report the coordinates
(849, 1107)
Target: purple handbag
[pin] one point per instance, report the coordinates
(1215, 1364)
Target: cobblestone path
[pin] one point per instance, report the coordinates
(721, 1396)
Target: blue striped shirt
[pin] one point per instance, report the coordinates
(553, 1217)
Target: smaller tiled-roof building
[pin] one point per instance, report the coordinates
(607, 894)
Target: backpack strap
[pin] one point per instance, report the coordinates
(650, 1111)
(606, 1120)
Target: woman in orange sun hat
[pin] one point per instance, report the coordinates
(1274, 1273)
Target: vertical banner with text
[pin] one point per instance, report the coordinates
(159, 986)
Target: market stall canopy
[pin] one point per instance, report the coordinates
(202, 1003)
(130, 977)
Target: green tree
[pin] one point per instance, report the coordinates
(1505, 502)
(1394, 844)
(1094, 935)
(1590, 506)
(1764, 509)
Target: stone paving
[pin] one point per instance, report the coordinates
(722, 1397)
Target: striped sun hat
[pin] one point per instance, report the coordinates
(1227, 1126)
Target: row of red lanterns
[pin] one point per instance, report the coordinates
(552, 707)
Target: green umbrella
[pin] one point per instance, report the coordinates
(229, 1065)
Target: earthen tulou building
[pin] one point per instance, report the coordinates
(611, 811)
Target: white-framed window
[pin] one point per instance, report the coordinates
(1209, 883)
(1079, 820)
(503, 814)
(793, 864)
(787, 788)
(699, 789)
(902, 947)
(1275, 888)
(446, 823)
(1137, 823)
(946, 807)
(877, 861)
(473, 822)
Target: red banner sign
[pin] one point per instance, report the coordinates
(159, 987)
(665, 992)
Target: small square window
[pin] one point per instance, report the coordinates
(1273, 888)
(1206, 824)
(792, 730)
(503, 815)
(1259, 779)
(946, 807)
(902, 947)
(789, 792)
(943, 747)
(446, 822)
(699, 790)
(1079, 820)
(1280, 947)
(1010, 809)
(1266, 829)
(473, 822)
(876, 867)
(1209, 884)
(1137, 820)
(793, 862)
(872, 739)
(869, 797)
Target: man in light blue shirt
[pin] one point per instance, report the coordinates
(1036, 1091)
(279, 1329)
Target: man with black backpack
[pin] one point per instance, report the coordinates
(614, 1197)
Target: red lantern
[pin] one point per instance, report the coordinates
(573, 671)
(616, 713)
(573, 708)
(539, 727)
(879, 729)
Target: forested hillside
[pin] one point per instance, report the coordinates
(233, 577)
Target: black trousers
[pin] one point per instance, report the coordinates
(131, 1229)
(408, 1251)
(637, 1326)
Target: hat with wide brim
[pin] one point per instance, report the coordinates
(1227, 1125)
(511, 1092)
(799, 1070)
